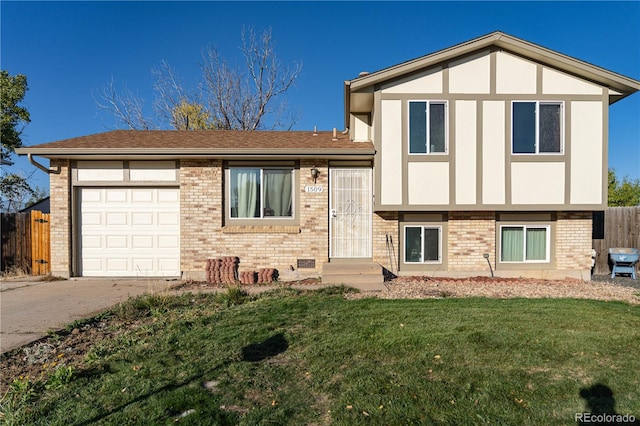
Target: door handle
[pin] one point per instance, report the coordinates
(333, 213)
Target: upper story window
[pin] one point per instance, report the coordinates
(537, 128)
(261, 192)
(427, 127)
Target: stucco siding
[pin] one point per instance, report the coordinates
(429, 81)
(428, 183)
(470, 75)
(465, 152)
(149, 171)
(537, 183)
(391, 147)
(555, 82)
(361, 130)
(493, 152)
(111, 171)
(586, 153)
(514, 75)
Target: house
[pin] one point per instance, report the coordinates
(489, 153)
(42, 206)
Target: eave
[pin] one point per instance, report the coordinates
(173, 154)
(363, 86)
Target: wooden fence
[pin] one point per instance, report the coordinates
(618, 227)
(25, 243)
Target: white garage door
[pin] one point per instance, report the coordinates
(130, 232)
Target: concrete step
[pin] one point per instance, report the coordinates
(366, 276)
(356, 268)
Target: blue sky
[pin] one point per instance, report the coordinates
(69, 50)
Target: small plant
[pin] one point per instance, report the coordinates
(59, 377)
(51, 278)
(23, 389)
(235, 295)
(14, 272)
(337, 290)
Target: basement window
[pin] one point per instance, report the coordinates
(422, 244)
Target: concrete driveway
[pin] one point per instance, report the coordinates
(29, 309)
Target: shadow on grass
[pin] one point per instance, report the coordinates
(255, 352)
(268, 348)
(600, 408)
(166, 388)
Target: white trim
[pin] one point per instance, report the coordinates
(369, 214)
(261, 169)
(422, 261)
(547, 228)
(427, 129)
(537, 136)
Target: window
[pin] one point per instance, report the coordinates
(261, 193)
(524, 243)
(537, 128)
(422, 244)
(427, 127)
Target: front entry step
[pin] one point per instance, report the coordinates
(365, 276)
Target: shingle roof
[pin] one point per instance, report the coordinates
(201, 143)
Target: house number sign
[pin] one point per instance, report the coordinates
(313, 189)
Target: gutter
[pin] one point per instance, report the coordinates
(193, 153)
(41, 167)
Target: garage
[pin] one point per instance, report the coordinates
(129, 231)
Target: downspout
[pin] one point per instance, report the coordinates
(347, 104)
(41, 167)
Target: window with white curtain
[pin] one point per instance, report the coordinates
(524, 243)
(260, 193)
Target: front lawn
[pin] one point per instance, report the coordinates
(294, 357)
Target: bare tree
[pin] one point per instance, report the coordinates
(14, 191)
(238, 98)
(241, 100)
(126, 107)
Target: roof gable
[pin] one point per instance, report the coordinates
(359, 91)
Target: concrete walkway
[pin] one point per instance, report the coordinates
(29, 309)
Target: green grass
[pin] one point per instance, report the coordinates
(291, 357)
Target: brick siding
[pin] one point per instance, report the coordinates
(205, 235)
(385, 229)
(60, 234)
(573, 240)
(471, 235)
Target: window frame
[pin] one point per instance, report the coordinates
(546, 227)
(537, 126)
(429, 102)
(262, 219)
(422, 261)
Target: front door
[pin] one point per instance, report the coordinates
(350, 213)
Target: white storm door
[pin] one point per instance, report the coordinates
(350, 213)
(129, 232)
